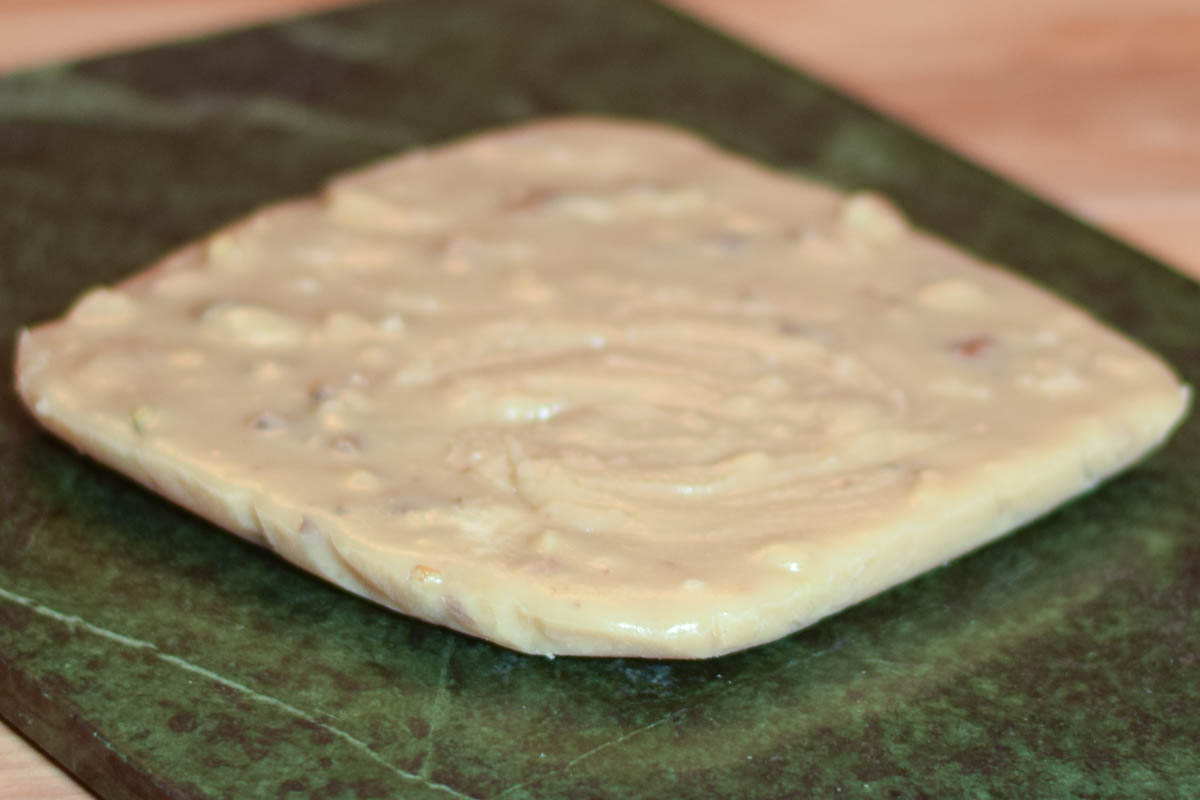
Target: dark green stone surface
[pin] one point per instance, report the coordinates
(155, 656)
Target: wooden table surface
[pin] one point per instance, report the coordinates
(1092, 103)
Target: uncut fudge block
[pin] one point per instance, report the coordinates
(597, 387)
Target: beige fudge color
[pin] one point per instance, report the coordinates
(596, 387)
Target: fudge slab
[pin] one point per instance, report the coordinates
(596, 387)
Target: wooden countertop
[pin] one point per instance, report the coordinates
(1092, 103)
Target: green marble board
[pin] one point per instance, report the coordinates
(154, 656)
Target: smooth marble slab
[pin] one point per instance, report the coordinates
(155, 656)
